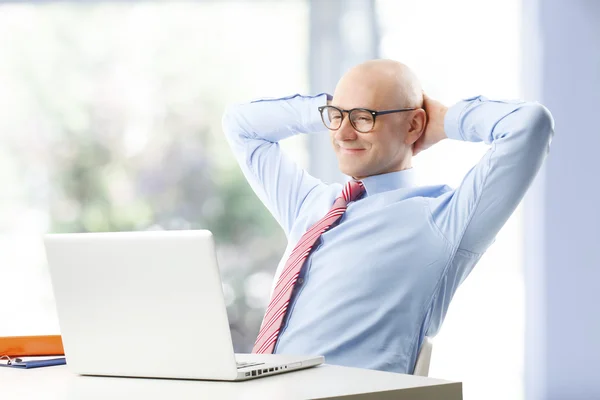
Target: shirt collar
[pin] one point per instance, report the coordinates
(391, 181)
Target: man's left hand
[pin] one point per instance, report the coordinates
(434, 128)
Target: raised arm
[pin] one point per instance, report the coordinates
(519, 134)
(254, 130)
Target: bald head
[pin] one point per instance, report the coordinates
(377, 85)
(381, 83)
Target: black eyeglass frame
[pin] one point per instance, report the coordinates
(374, 113)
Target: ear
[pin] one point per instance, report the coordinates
(417, 124)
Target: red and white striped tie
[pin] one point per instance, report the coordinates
(278, 306)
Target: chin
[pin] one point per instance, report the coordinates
(353, 172)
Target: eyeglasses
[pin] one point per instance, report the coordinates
(361, 119)
(10, 360)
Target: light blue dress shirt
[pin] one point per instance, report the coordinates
(382, 279)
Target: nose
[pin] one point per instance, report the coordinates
(346, 131)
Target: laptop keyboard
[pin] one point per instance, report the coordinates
(247, 364)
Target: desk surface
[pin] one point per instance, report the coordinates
(325, 381)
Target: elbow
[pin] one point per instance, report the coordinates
(232, 123)
(539, 120)
(228, 120)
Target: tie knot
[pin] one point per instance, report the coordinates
(353, 190)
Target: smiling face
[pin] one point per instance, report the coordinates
(378, 85)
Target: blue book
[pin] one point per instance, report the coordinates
(32, 362)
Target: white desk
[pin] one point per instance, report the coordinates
(326, 381)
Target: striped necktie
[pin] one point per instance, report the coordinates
(280, 300)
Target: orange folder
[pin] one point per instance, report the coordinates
(23, 346)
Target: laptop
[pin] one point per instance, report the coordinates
(149, 304)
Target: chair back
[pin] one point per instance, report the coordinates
(424, 358)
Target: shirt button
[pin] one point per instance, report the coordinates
(300, 281)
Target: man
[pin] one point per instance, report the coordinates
(371, 267)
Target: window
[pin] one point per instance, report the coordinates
(110, 120)
(459, 49)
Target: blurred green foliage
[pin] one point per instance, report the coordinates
(112, 123)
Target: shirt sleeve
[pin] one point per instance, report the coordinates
(254, 130)
(471, 216)
(519, 134)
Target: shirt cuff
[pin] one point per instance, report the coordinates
(452, 124)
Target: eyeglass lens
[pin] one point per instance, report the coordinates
(360, 119)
